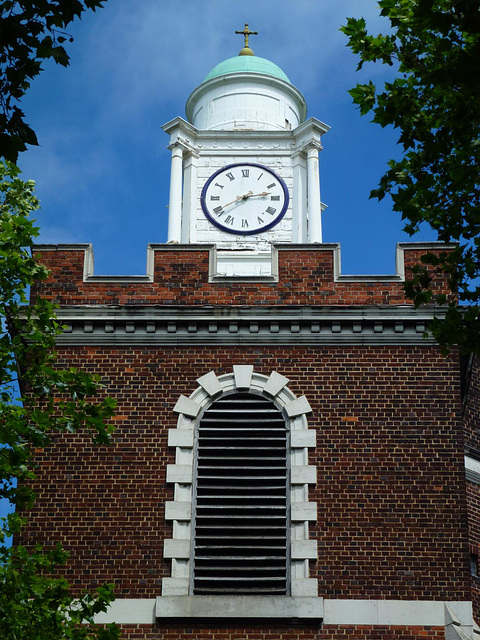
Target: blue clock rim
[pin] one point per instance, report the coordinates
(268, 226)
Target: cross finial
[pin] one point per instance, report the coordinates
(246, 51)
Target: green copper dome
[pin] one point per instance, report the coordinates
(244, 63)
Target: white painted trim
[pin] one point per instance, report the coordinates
(303, 439)
(335, 612)
(276, 607)
(303, 511)
(472, 470)
(180, 511)
(395, 612)
(129, 611)
(180, 438)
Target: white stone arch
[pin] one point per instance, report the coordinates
(181, 474)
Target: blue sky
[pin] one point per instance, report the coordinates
(102, 168)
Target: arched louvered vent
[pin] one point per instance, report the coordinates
(241, 516)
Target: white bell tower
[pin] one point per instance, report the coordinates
(244, 171)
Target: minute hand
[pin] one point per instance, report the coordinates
(237, 199)
(257, 195)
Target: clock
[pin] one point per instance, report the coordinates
(244, 198)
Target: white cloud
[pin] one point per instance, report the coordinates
(157, 52)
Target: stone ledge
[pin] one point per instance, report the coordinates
(275, 607)
(348, 612)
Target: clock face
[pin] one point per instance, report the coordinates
(244, 198)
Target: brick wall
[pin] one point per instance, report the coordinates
(389, 457)
(472, 439)
(329, 632)
(472, 407)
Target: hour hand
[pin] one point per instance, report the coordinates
(244, 197)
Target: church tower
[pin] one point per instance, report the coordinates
(288, 455)
(244, 170)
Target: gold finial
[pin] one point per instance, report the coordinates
(246, 51)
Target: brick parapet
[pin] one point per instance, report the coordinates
(182, 274)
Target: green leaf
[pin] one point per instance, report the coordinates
(433, 103)
(32, 32)
(34, 601)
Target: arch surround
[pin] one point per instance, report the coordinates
(303, 589)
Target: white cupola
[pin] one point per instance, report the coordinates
(246, 93)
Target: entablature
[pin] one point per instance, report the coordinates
(132, 324)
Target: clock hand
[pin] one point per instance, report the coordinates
(244, 197)
(257, 195)
(250, 194)
(247, 195)
(232, 202)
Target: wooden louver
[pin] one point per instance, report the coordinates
(241, 518)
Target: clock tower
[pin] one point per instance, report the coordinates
(244, 171)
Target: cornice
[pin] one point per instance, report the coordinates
(296, 325)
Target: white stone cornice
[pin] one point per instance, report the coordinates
(312, 125)
(179, 124)
(309, 134)
(182, 133)
(307, 325)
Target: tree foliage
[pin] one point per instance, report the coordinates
(37, 400)
(31, 31)
(433, 99)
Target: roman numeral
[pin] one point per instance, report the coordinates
(271, 210)
(260, 220)
(229, 220)
(244, 223)
(219, 185)
(260, 176)
(230, 176)
(245, 173)
(218, 210)
(270, 186)
(274, 197)
(217, 198)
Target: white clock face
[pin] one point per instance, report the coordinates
(244, 198)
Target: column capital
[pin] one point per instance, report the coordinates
(181, 133)
(313, 147)
(176, 149)
(185, 146)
